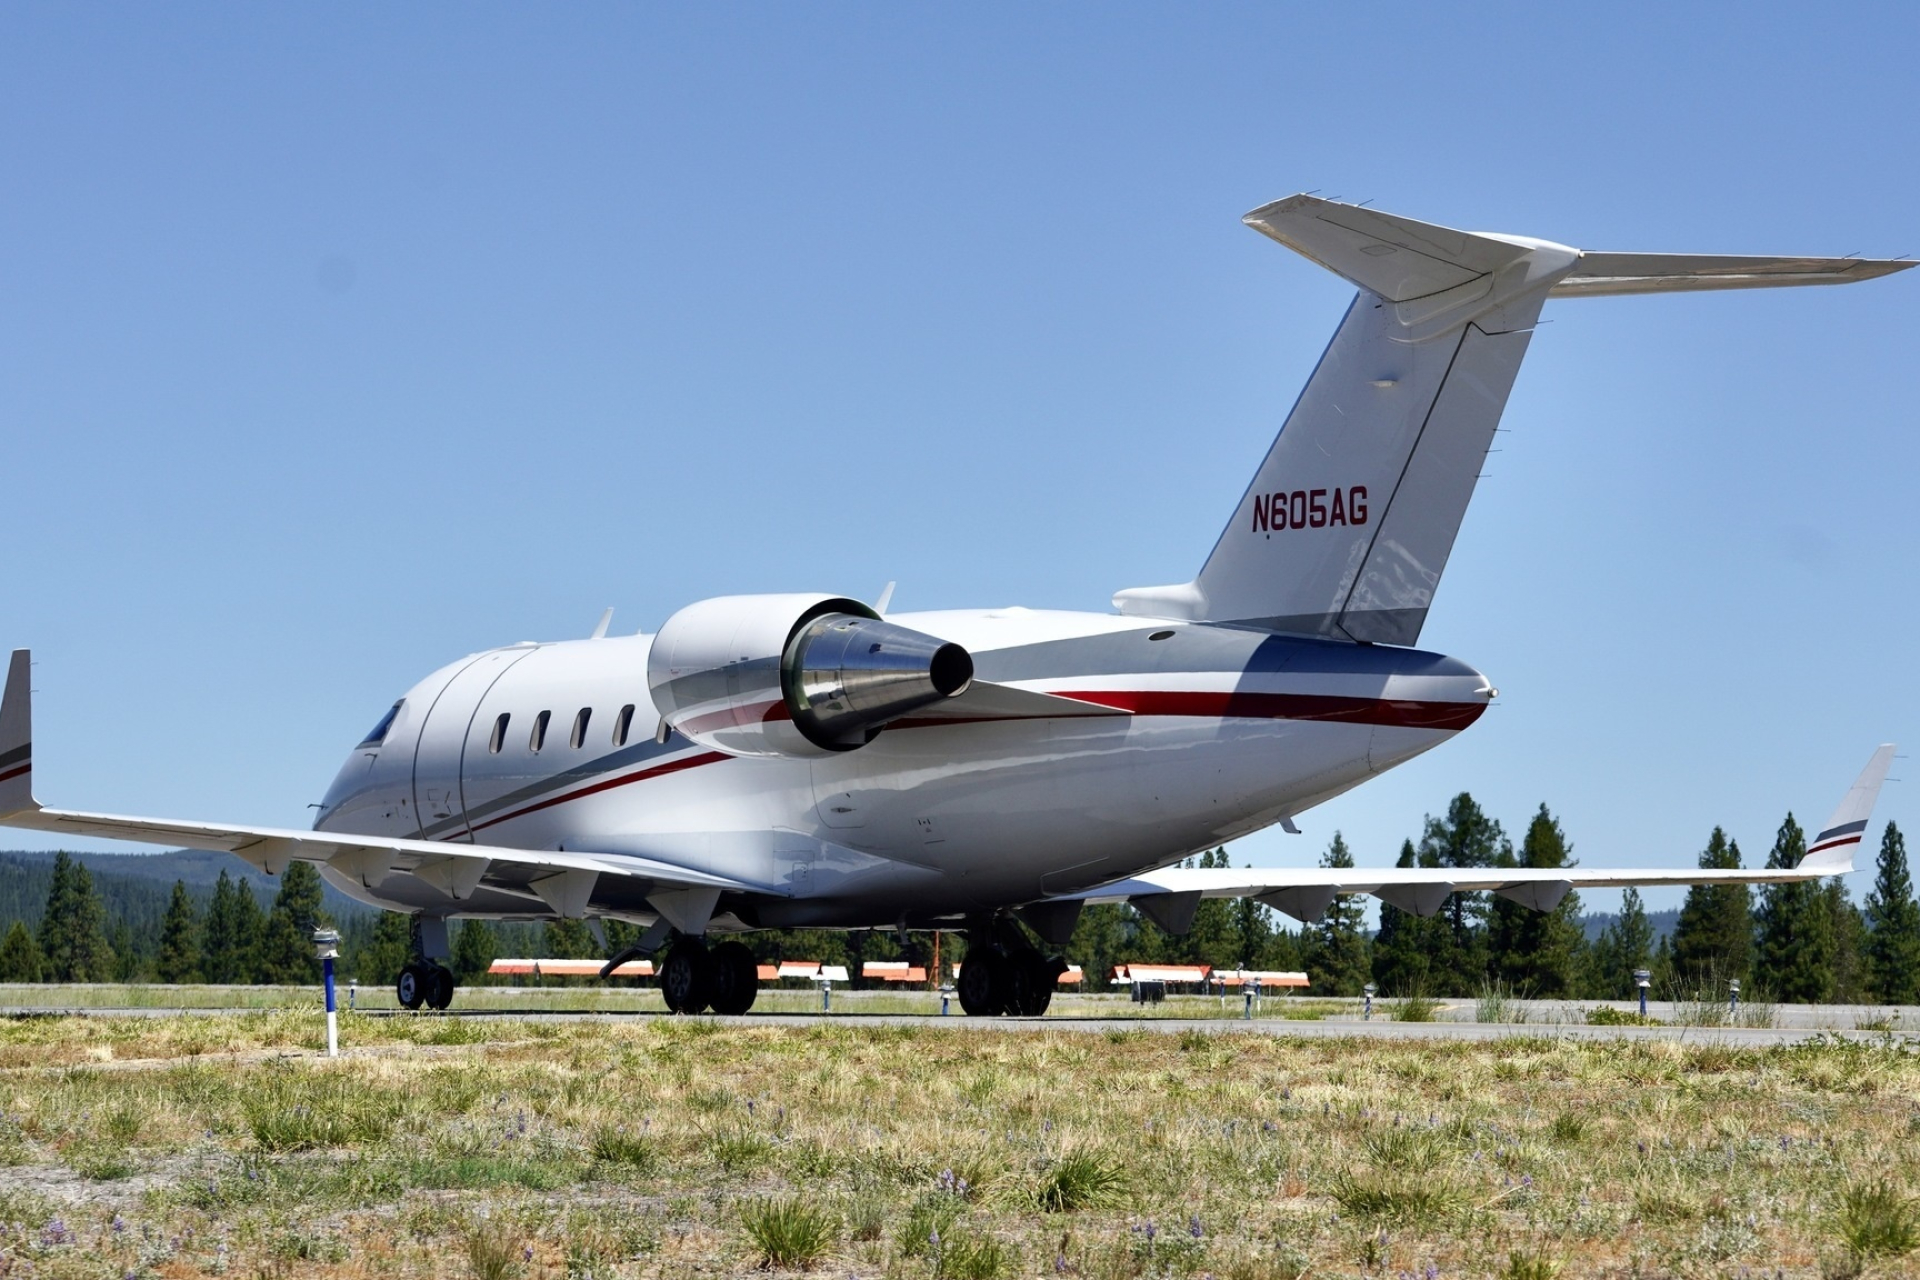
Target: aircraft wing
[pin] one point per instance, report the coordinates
(1169, 897)
(561, 878)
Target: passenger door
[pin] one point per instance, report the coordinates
(437, 757)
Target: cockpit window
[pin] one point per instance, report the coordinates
(379, 734)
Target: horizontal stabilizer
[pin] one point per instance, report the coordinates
(1598, 274)
(1394, 258)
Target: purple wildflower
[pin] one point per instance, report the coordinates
(1193, 1227)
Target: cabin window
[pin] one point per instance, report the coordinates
(621, 724)
(379, 733)
(499, 738)
(580, 728)
(538, 738)
(1161, 635)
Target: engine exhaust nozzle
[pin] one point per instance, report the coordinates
(846, 676)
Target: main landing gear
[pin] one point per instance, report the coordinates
(422, 982)
(425, 980)
(694, 979)
(1006, 974)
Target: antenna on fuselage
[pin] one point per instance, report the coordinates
(886, 598)
(606, 620)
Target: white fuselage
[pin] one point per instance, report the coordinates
(1228, 729)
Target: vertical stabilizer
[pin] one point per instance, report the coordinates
(1348, 524)
(16, 736)
(1832, 848)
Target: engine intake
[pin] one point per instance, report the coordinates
(794, 675)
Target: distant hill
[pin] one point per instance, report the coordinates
(135, 886)
(1663, 923)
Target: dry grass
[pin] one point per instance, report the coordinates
(438, 1148)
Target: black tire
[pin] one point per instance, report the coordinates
(982, 984)
(1016, 978)
(411, 988)
(684, 976)
(1036, 994)
(439, 986)
(734, 978)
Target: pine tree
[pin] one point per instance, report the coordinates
(1465, 838)
(285, 954)
(232, 940)
(1336, 957)
(179, 956)
(474, 949)
(1537, 953)
(73, 937)
(219, 951)
(1714, 936)
(1403, 950)
(379, 956)
(1100, 940)
(1624, 945)
(1893, 922)
(1212, 939)
(1849, 944)
(571, 940)
(20, 959)
(1793, 929)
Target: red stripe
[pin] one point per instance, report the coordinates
(14, 773)
(659, 770)
(1833, 844)
(1397, 712)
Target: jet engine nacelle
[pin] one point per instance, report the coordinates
(794, 675)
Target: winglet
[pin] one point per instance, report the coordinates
(16, 736)
(1831, 851)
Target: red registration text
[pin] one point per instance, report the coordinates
(1309, 509)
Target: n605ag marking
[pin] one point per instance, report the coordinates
(1309, 508)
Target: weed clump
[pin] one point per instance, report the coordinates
(493, 1253)
(1874, 1220)
(790, 1234)
(1081, 1180)
(312, 1111)
(616, 1145)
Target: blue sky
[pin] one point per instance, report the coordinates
(338, 342)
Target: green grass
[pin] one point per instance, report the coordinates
(667, 1148)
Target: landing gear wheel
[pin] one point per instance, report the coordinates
(412, 986)
(982, 984)
(439, 986)
(1033, 990)
(733, 978)
(684, 976)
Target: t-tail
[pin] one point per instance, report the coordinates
(1348, 523)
